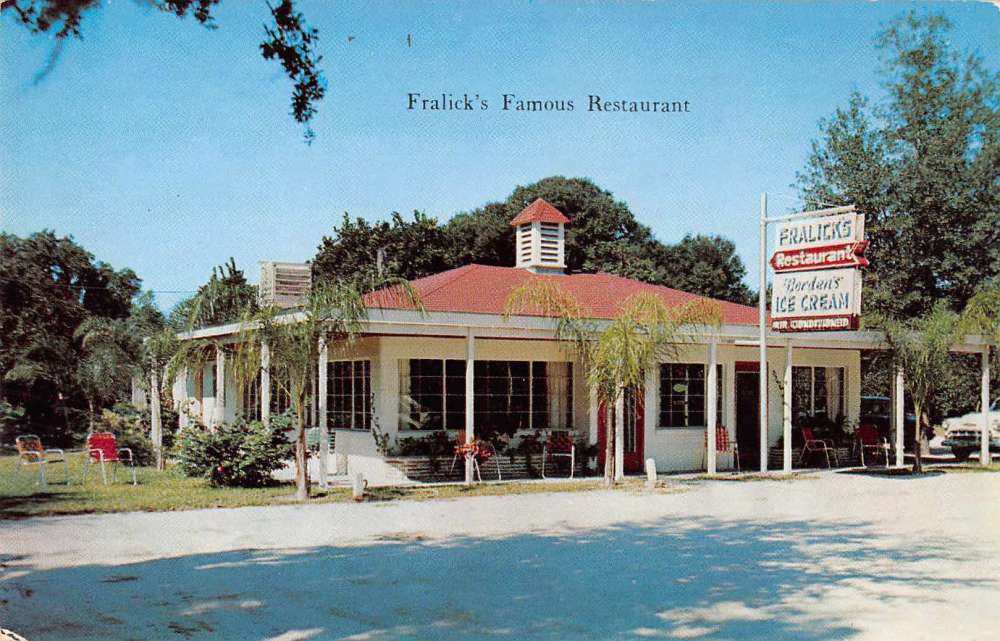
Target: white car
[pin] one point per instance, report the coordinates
(962, 433)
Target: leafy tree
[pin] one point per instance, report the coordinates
(365, 253)
(603, 235)
(223, 299)
(288, 39)
(48, 287)
(923, 165)
(615, 355)
(982, 316)
(921, 349)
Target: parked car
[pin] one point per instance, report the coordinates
(877, 410)
(962, 433)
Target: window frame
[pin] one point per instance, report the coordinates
(367, 413)
(720, 409)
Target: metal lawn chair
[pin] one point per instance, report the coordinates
(812, 444)
(478, 450)
(723, 445)
(102, 447)
(867, 437)
(559, 445)
(31, 452)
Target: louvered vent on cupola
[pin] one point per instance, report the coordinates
(541, 238)
(284, 284)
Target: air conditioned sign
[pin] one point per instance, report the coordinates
(823, 300)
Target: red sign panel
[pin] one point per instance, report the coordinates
(824, 257)
(816, 323)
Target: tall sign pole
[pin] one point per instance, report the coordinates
(762, 312)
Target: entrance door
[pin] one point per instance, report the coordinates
(748, 418)
(634, 432)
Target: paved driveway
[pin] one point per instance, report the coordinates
(831, 557)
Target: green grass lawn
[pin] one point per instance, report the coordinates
(170, 490)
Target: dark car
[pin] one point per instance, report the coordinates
(877, 411)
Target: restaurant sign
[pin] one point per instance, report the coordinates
(822, 300)
(820, 243)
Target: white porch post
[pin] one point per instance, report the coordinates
(898, 414)
(594, 408)
(620, 436)
(711, 410)
(265, 383)
(786, 412)
(470, 427)
(220, 385)
(984, 440)
(324, 432)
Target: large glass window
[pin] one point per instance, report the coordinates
(683, 400)
(508, 395)
(349, 395)
(817, 394)
(251, 400)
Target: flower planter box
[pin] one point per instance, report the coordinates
(425, 470)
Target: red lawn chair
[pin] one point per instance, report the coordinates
(102, 447)
(723, 445)
(867, 438)
(478, 450)
(813, 444)
(31, 452)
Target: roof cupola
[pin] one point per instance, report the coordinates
(540, 243)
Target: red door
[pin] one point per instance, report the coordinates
(634, 429)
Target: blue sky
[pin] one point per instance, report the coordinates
(165, 147)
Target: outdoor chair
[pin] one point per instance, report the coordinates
(102, 447)
(478, 450)
(559, 445)
(31, 452)
(867, 437)
(811, 444)
(723, 445)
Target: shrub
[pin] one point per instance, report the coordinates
(238, 454)
(126, 423)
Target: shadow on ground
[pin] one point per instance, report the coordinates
(678, 578)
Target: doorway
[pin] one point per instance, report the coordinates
(748, 417)
(633, 442)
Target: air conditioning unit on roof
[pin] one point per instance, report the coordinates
(284, 284)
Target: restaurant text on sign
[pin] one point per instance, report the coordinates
(829, 230)
(826, 256)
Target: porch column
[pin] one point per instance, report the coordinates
(220, 385)
(984, 440)
(470, 427)
(320, 405)
(786, 412)
(899, 414)
(594, 408)
(620, 436)
(265, 383)
(712, 407)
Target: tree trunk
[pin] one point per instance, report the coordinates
(155, 423)
(918, 439)
(609, 444)
(90, 419)
(301, 458)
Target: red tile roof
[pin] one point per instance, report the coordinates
(539, 211)
(484, 289)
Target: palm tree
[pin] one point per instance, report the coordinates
(156, 352)
(921, 349)
(982, 316)
(110, 357)
(332, 316)
(615, 355)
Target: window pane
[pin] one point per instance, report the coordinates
(801, 394)
(348, 397)
(682, 395)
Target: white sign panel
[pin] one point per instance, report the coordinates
(822, 300)
(825, 231)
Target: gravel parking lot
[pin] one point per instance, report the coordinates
(832, 556)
